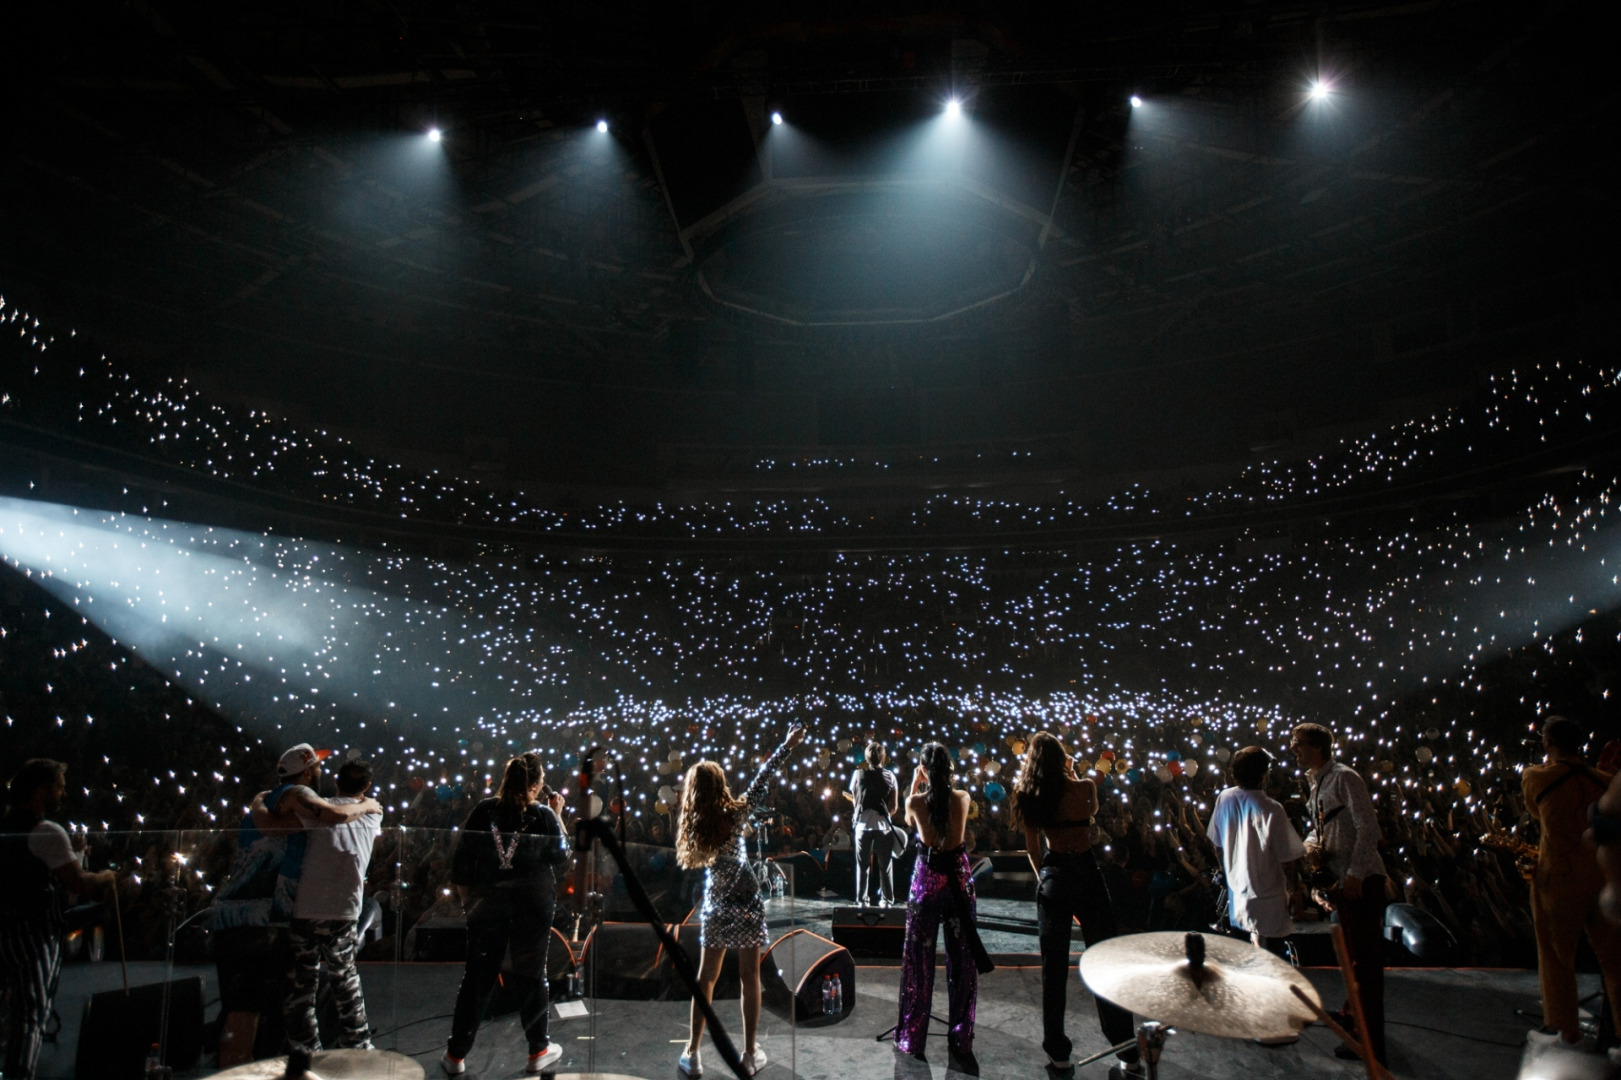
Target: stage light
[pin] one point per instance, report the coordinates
(776, 118)
(953, 108)
(1320, 90)
(602, 126)
(1136, 102)
(434, 135)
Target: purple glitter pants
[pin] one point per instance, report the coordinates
(931, 901)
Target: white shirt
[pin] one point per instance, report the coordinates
(335, 862)
(1255, 839)
(48, 842)
(1350, 837)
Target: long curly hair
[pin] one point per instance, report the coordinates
(1039, 787)
(937, 800)
(708, 816)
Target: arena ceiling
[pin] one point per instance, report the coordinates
(1056, 290)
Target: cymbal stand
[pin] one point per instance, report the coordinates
(1151, 1035)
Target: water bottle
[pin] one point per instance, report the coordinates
(827, 995)
(777, 888)
(837, 997)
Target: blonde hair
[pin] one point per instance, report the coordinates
(708, 816)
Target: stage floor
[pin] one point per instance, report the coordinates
(1457, 1024)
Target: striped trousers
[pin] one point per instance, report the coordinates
(30, 968)
(329, 943)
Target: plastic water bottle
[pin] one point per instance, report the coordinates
(777, 888)
(836, 997)
(827, 995)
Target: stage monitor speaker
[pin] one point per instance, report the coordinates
(118, 1029)
(839, 874)
(792, 973)
(870, 932)
(727, 986)
(623, 960)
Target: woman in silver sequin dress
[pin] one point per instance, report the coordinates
(733, 915)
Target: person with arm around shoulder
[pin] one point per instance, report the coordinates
(710, 836)
(1055, 810)
(942, 890)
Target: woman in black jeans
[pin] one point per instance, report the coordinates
(502, 868)
(1055, 810)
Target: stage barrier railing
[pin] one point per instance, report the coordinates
(200, 925)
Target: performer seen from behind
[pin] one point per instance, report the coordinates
(1568, 881)
(1257, 847)
(876, 795)
(1055, 810)
(504, 868)
(1343, 845)
(733, 914)
(942, 890)
(38, 867)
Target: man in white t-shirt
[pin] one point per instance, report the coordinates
(324, 929)
(37, 866)
(1256, 843)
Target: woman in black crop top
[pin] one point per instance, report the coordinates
(503, 867)
(1055, 809)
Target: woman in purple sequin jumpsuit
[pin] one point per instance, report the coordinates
(940, 884)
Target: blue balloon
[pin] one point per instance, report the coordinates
(1134, 775)
(442, 792)
(979, 748)
(1173, 755)
(956, 753)
(995, 792)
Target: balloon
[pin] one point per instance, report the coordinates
(1191, 767)
(1462, 787)
(1090, 719)
(617, 805)
(596, 806)
(1019, 747)
(973, 810)
(995, 792)
(1387, 766)
(979, 748)
(417, 783)
(1163, 774)
(1173, 755)
(1224, 755)
(844, 745)
(675, 755)
(663, 768)
(1121, 766)
(442, 792)
(1424, 754)
(1134, 775)
(1011, 741)
(1174, 768)
(476, 746)
(1082, 766)
(992, 768)
(1196, 740)
(1432, 733)
(1107, 755)
(956, 753)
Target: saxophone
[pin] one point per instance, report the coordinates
(1525, 853)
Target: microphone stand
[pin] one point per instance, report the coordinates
(591, 830)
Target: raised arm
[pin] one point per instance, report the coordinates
(326, 813)
(756, 789)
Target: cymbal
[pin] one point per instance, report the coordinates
(1233, 989)
(333, 1065)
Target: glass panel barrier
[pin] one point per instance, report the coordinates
(202, 922)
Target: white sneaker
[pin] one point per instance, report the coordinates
(1546, 1039)
(691, 1064)
(453, 1066)
(755, 1062)
(539, 1063)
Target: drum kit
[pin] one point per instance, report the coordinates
(1208, 984)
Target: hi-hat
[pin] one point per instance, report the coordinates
(333, 1065)
(1215, 985)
